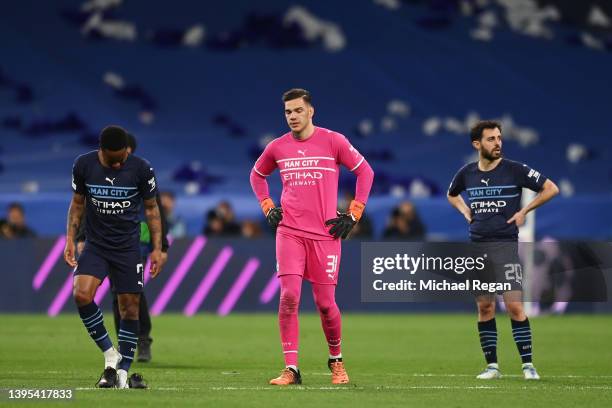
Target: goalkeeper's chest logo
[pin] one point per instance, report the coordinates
(302, 170)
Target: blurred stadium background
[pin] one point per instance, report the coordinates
(199, 85)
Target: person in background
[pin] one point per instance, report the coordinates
(405, 224)
(214, 224)
(221, 222)
(226, 213)
(251, 229)
(14, 226)
(176, 226)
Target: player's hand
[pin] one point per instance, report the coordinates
(69, 253)
(157, 262)
(468, 216)
(342, 225)
(274, 216)
(164, 258)
(518, 219)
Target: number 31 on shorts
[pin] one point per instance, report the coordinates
(332, 263)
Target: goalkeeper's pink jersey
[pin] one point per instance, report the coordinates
(309, 170)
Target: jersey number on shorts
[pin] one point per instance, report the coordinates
(333, 266)
(514, 272)
(140, 272)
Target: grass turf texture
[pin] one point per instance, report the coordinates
(392, 360)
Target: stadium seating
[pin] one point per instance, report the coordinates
(200, 88)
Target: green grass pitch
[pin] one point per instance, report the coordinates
(393, 360)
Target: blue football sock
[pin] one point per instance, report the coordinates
(521, 331)
(488, 340)
(92, 318)
(128, 339)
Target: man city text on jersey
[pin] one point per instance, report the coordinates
(114, 198)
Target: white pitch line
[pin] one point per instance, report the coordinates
(154, 389)
(438, 387)
(458, 387)
(379, 388)
(505, 375)
(19, 372)
(464, 375)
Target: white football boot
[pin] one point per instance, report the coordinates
(530, 372)
(490, 373)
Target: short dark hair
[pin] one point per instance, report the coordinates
(295, 93)
(15, 206)
(113, 138)
(476, 131)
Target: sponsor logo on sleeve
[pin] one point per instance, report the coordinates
(151, 183)
(534, 174)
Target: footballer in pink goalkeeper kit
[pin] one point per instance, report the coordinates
(308, 227)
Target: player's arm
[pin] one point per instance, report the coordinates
(262, 169)
(548, 191)
(350, 158)
(164, 224)
(460, 205)
(454, 196)
(75, 215)
(147, 187)
(153, 218)
(80, 236)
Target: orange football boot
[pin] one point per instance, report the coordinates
(339, 375)
(287, 377)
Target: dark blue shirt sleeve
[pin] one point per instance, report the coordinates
(147, 183)
(457, 185)
(78, 177)
(529, 178)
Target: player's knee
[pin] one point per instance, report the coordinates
(516, 311)
(81, 297)
(129, 312)
(486, 309)
(289, 302)
(325, 306)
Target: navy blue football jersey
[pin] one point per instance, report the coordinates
(114, 198)
(495, 196)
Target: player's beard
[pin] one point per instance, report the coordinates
(491, 155)
(297, 131)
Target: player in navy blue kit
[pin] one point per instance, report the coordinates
(115, 185)
(143, 348)
(493, 186)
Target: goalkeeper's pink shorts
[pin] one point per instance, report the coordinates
(316, 261)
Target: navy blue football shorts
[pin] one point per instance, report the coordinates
(502, 265)
(124, 268)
